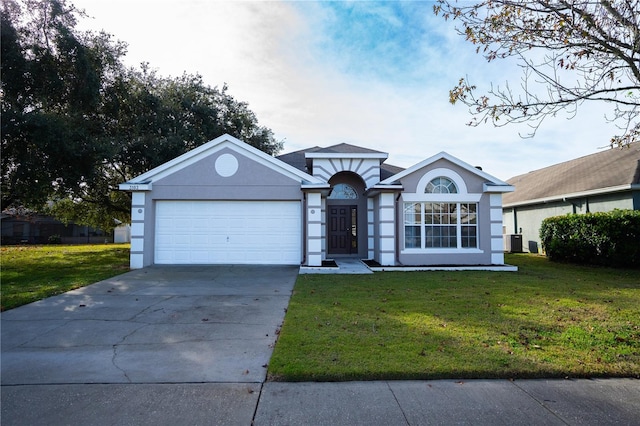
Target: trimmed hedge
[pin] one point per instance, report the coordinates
(608, 239)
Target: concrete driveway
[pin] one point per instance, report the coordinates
(214, 326)
(156, 325)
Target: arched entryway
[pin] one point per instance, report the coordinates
(346, 216)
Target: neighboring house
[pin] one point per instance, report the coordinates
(227, 202)
(601, 182)
(40, 229)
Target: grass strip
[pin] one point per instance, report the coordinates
(31, 273)
(547, 320)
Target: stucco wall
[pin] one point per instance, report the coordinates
(473, 182)
(202, 181)
(252, 181)
(609, 202)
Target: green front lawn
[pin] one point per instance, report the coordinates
(31, 273)
(547, 320)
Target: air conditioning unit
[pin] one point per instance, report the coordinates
(513, 243)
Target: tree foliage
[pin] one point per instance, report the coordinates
(571, 52)
(50, 91)
(76, 121)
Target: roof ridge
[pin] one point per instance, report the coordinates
(344, 144)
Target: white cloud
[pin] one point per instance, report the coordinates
(274, 56)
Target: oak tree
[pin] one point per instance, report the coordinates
(76, 121)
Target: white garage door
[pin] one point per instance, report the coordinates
(214, 232)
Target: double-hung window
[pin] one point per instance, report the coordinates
(440, 225)
(412, 225)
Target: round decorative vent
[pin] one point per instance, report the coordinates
(226, 165)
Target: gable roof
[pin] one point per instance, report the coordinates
(492, 183)
(211, 147)
(609, 170)
(298, 159)
(345, 148)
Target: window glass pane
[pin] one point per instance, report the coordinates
(468, 213)
(453, 213)
(412, 213)
(464, 214)
(449, 237)
(342, 191)
(440, 236)
(412, 237)
(428, 213)
(441, 185)
(469, 237)
(444, 225)
(473, 215)
(432, 236)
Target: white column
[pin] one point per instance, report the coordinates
(314, 229)
(497, 243)
(323, 228)
(370, 229)
(387, 229)
(136, 259)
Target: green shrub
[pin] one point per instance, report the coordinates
(608, 239)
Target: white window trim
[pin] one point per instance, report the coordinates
(441, 172)
(440, 250)
(441, 198)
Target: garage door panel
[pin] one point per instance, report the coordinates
(210, 232)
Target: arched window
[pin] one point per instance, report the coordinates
(441, 185)
(342, 191)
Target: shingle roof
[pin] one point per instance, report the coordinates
(345, 148)
(609, 168)
(297, 158)
(387, 170)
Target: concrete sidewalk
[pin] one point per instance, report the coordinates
(448, 402)
(439, 402)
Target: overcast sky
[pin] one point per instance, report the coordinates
(370, 74)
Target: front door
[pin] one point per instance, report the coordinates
(343, 238)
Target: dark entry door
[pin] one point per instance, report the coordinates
(343, 230)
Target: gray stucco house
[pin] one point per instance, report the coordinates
(600, 182)
(226, 202)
